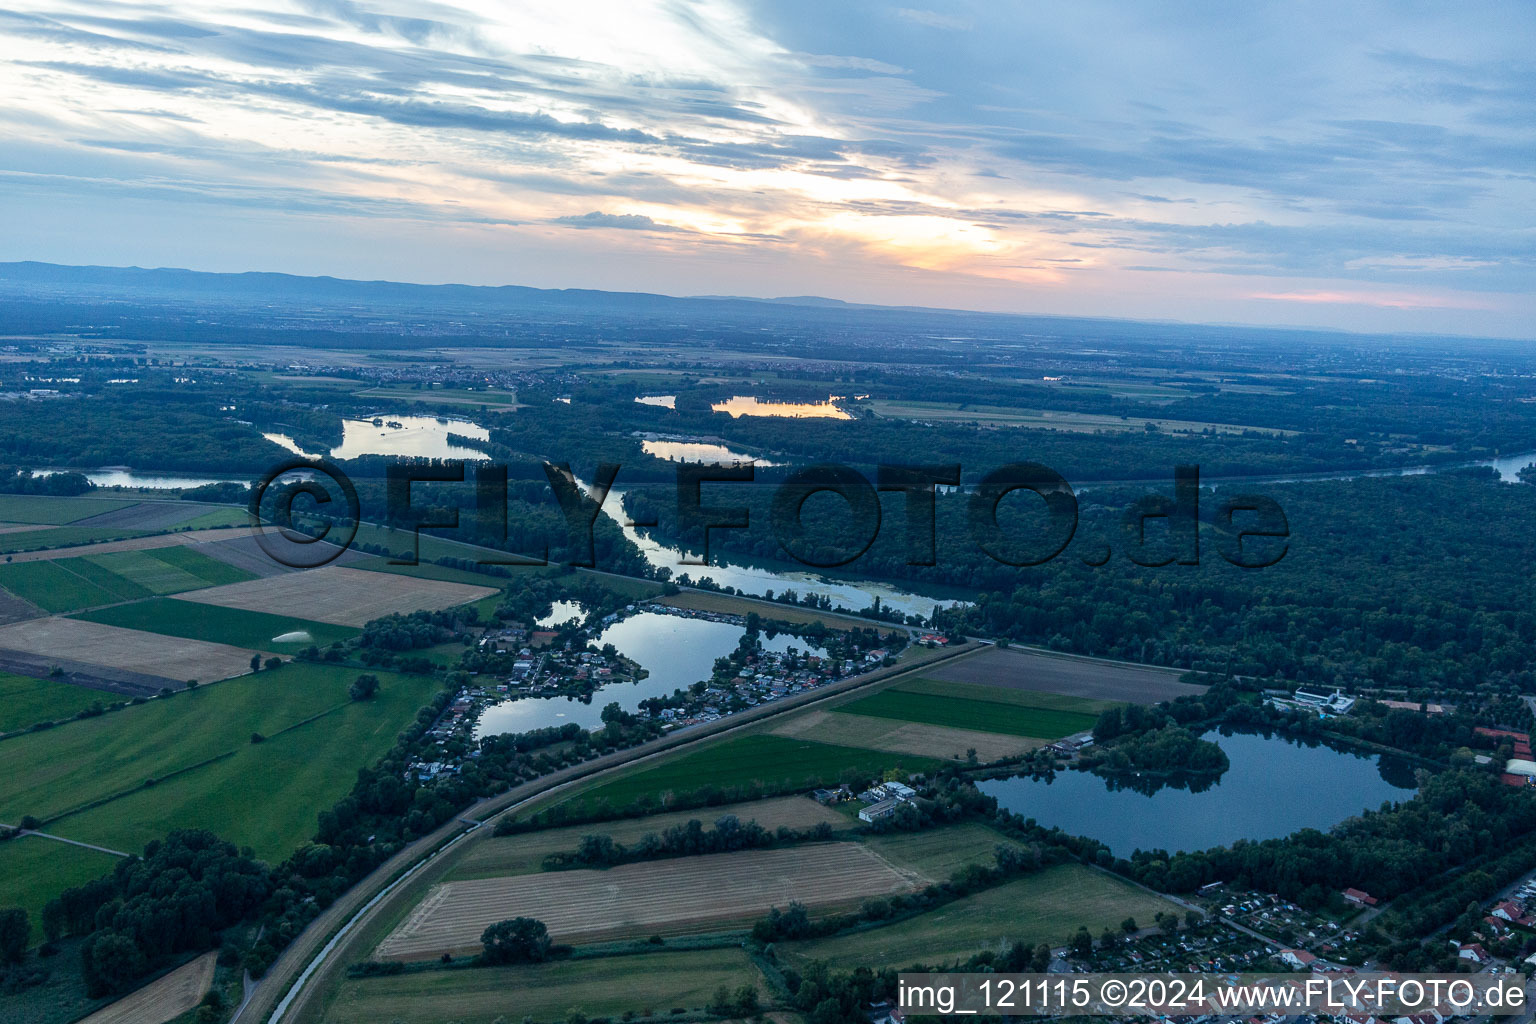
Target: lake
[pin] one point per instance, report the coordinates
(122, 476)
(676, 651)
(751, 405)
(405, 436)
(660, 401)
(675, 449)
(1274, 787)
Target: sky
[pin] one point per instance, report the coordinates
(1366, 166)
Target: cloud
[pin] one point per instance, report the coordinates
(623, 221)
(933, 19)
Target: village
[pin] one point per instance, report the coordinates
(535, 667)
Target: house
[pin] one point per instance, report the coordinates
(826, 796)
(1473, 951)
(1512, 912)
(1298, 958)
(899, 791)
(1359, 898)
(883, 809)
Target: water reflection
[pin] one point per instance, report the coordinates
(683, 450)
(676, 652)
(405, 436)
(751, 405)
(562, 612)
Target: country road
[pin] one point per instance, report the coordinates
(281, 996)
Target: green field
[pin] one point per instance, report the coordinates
(963, 713)
(86, 778)
(211, 622)
(70, 584)
(1047, 907)
(54, 587)
(53, 510)
(939, 852)
(647, 983)
(218, 517)
(64, 536)
(25, 701)
(772, 760)
(171, 570)
(34, 870)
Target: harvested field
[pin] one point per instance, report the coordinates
(347, 597)
(679, 896)
(902, 737)
(243, 552)
(1016, 669)
(14, 609)
(55, 510)
(524, 853)
(163, 999)
(92, 643)
(147, 515)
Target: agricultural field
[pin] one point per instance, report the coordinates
(1046, 907)
(743, 760)
(62, 537)
(652, 983)
(501, 401)
(900, 737)
(1051, 419)
(73, 583)
(669, 897)
(1012, 668)
(962, 713)
(25, 701)
(252, 630)
(524, 853)
(87, 779)
(163, 999)
(940, 852)
(94, 639)
(148, 515)
(336, 594)
(54, 510)
(33, 870)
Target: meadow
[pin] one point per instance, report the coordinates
(234, 626)
(184, 740)
(34, 870)
(25, 701)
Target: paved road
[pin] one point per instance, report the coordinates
(287, 987)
